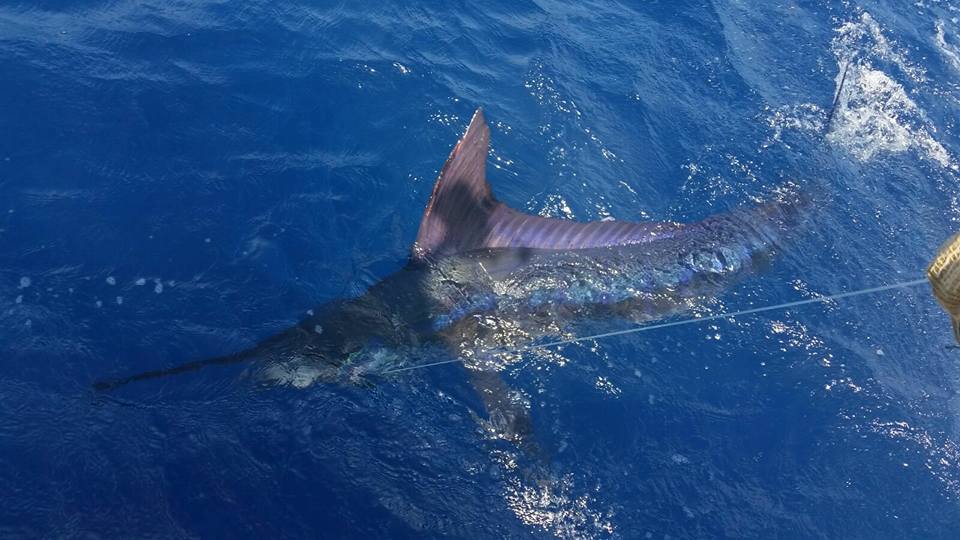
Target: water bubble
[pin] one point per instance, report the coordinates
(111, 280)
(24, 282)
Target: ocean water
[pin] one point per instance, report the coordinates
(180, 179)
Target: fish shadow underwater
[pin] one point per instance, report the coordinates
(484, 281)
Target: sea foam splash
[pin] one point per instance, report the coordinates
(875, 114)
(950, 52)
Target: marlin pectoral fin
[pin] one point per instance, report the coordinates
(507, 413)
(463, 214)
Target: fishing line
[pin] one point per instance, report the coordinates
(638, 329)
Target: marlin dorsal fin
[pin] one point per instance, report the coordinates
(463, 215)
(461, 203)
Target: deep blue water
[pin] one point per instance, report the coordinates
(179, 179)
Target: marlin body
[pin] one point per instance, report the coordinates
(484, 280)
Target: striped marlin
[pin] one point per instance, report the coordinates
(484, 279)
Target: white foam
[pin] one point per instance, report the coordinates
(111, 280)
(865, 39)
(141, 282)
(805, 117)
(949, 51)
(24, 282)
(875, 116)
